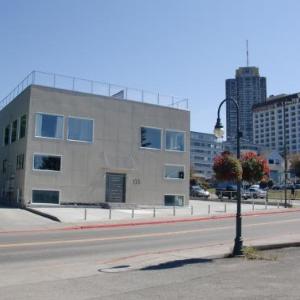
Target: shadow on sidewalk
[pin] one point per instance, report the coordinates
(176, 264)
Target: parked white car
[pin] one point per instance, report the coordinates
(257, 192)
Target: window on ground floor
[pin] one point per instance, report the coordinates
(45, 196)
(46, 162)
(174, 172)
(171, 200)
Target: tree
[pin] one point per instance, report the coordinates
(227, 167)
(255, 167)
(295, 165)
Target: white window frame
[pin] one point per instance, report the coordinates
(174, 179)
(81, 118)
(184, 140)
(45, 137)
(161, 138)
(47, 154)
(175, 195)
(45, 189)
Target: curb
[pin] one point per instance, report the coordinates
(42, 214)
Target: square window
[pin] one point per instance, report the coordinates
(80, 129)
(151, 138)
(49, 126)
(175, 140)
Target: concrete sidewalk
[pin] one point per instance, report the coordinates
(196, 208)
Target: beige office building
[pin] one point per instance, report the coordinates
(63, 144)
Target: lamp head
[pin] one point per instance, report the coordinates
(219, 129)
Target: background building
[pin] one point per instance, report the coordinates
(64, 146)
(248, 88)
(204, 147)
(271, 123)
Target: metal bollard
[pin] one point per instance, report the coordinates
(154, 212)
(192, 210)
(85, 214)
(109, 216)
(266, 205)
(277, 203)
(252, 204)
(132, 213)
(208, 209)
(225, 207)
(174, 211)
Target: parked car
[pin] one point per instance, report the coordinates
(257, 193)
(230, 191)
(197, 191)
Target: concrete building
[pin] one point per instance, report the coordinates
(278, 116)
(65, 146)
(204, 147)
(248, 88)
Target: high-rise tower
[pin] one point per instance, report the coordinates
(248, 88)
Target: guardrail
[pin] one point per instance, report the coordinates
(94, 87)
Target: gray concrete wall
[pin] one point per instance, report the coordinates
(13, 178)
(116, 148)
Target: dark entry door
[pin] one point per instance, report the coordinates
(115, 187)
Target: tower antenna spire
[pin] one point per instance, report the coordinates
(247, 53)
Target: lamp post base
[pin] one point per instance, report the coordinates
(238, 247)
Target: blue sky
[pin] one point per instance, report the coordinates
(186, 48)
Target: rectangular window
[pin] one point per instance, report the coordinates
(46, 197)
(6, 135)
(150, 138)
(80, 129)
(175, 140)
(14, 131)
(49, 126)
(20, 162)
(171, 200)
(46, 162)
(4, 166)
(174, 172)
(22, 127)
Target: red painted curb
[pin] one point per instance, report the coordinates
(155, 222)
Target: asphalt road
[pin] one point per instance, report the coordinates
(33, 263)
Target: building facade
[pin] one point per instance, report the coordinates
(277, 123)
(67, 147)
(204, 147)
(248, 88)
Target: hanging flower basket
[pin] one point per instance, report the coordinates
(227, 167)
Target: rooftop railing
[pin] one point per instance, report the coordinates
(94, 87)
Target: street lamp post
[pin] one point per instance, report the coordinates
(219, 132)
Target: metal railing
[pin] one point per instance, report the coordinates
(94, 87)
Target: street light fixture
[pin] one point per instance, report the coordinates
(219, 132)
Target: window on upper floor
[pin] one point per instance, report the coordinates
(20, 162)
(174, 140)
(14, 131)
(150, 138)
(49, 126)
(23, 124)
(46, 162)
(80, 129)
(6, 135)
